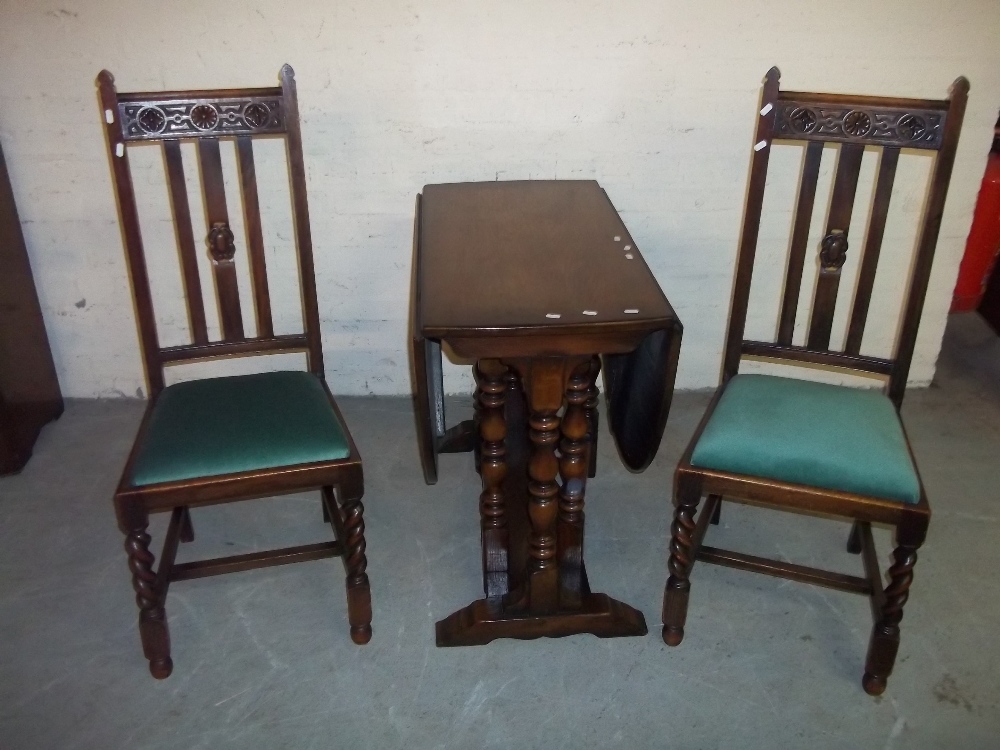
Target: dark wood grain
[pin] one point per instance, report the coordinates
(224, 270)
(751, 223)
(845, 188)
(873, 245)
(691, 482)
(502, 244)
(185, 241)
(255, 235)
(800, 235)
(533, 280)
(341, 481)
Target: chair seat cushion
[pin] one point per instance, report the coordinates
(824, 436)
(217, 426)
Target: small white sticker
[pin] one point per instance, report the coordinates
(632, 312)
(120, 150)
(617, 238)
(629, 256)
(553, 315)
(590, 312)
(759, 146)
(767, 108)
(109, 116)
(628, 247)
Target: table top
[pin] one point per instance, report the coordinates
(541, 256)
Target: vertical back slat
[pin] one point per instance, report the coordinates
(122, 176)
(751, 223)
(928, 239)
(185, 240)
(300, 209)
(255, 236)
(800, 235)
(845, 187)
(873, 245)
(226, 285)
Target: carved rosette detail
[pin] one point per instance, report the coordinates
(194, 117)
(857, 123)
(833, 251)
(151, 120)
(911, 127)
(802, 120)
(875, 125)
(256, 115)
(204, 117)
(221, 242)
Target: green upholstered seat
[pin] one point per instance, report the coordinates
(226, 425)
(814, 434)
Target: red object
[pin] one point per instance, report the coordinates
(983, 244)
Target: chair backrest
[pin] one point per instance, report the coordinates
(856, 123)
(168, 118)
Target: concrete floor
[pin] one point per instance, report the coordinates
(263, 659)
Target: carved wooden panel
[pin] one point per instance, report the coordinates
(877, 126)
(191, 118)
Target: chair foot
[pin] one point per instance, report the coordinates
(161, 668)
(873, 685)
(675, 595)
(359, 598)
(884, 643)
(854, 540)
(361, 634)
(673, 635)
(152, 616)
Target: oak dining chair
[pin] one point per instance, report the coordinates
(225, 439)
(791, 444)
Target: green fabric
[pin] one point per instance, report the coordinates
(819, 435)
(219, 426)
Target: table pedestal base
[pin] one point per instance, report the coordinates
(487, 619)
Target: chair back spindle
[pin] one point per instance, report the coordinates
(206, 117)
(855, 123)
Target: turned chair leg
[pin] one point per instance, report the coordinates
(675, 596)
(885, 635)
(152, 616)
(359, 598)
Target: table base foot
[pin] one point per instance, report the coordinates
(486, 620)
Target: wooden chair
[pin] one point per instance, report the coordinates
(220, 440)
(807, 447)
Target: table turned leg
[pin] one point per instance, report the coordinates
(593, 418)
(491, 387)
(543, 568)
(554, 599)
(573, 468)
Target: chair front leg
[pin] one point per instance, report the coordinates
(152, 616)
(675, 596)
(359, 598)
(885, 635)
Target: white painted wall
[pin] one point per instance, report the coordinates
(654, 99)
